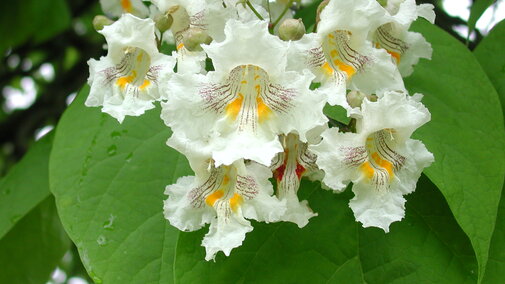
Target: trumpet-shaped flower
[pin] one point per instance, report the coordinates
(207, 15)
(116, 8)
(128, 79)
(405, 47)
(380, 159)
(341, 54)
(239, 109)
(288, 168)
(225, 197)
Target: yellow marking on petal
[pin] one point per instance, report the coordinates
(243, 82)
(235, 202)
(395, 55)
(367, 170)
(140, 56)
(127, 5)
(226, 180)
(377, 45)
(256, 77)
(212, 198)
(383, 163)
(328, 71)
(145, 84)
(123, 81)
(348, 69)
(233, 108)
(333, 53)
(263, 110)
(180, 46)
(331, 36)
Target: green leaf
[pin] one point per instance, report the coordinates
(25, 186)
(426, 247)
(478, 8)
(337, 113)
(490, 53)
(108, 180)
(496, 264)
(308, 15)
(35, 20)
(466, 135)
(33, 248)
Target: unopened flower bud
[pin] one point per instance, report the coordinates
(164, 22)
(291, 29)
(194, 37)
(101, 21)
(355, 98)
(383, 2)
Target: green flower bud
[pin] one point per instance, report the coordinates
(101, 21)
(194, 37)
(164, 22)
(291, 29)
(383, 2)
(355, 98)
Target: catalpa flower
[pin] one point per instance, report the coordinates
(116, 8)
(380, 159)
(225, 197)
(289, 167)
(207, 15)
(239, 109)
(341, 54)
(128, 79)
(405, 47)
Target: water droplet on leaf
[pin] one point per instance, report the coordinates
(115, 134)
(101, 241)
(111, 151)
(109, 224)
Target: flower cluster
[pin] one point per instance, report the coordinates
(257, 114)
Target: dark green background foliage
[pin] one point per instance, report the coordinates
(106, 180)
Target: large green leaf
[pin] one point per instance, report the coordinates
(426, 247)
(108, 180)
(491, 54)
(466, 135)
(478, 8)
(33, 248)
(495, 270)
(492, 58)
(25, 186)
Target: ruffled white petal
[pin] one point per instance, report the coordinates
(116, 8)
(380, 159)
(377, 208)
(356, 16)
(178, 209)
(241, 108)
(130, 78)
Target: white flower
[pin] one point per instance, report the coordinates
(116, 8)
(404, 46)
(380, 159)
(289, 167)
(239, 109)
(224, 197)
(129, 78)
(340, 54)
(208, 15)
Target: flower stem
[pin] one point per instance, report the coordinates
(254, 10)
(282, 14)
